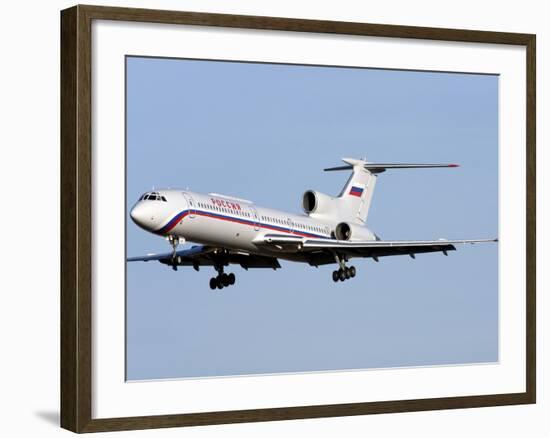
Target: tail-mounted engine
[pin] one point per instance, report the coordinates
(343, 231)
(347, 231)
(318, 203)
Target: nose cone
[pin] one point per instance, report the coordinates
(143, 215)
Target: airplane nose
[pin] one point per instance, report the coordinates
(142, 215)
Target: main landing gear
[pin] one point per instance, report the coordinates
(344, 273)
(222, 279)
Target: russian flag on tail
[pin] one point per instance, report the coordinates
(356, 191)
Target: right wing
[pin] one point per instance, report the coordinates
(322, 251)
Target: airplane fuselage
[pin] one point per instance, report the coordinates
(222, 221)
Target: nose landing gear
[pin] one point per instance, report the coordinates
(174, 242)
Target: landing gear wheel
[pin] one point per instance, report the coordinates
(231, 278)
(352, 271)
(219, 283)
(335, 276)
(224, 278)
(213, 283)
(347, 273)
(341, 274)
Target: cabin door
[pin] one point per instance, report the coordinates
(255, 218)
(290, 225)
(191, 204)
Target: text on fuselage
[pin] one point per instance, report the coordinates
(225, 204)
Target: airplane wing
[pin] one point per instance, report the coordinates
(200, 255)
(322, 251)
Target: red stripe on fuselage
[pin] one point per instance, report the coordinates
(170, 225)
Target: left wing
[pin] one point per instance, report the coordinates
(201, 255)
(321, 249)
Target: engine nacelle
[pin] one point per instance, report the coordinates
(347, 231)
(343, 231)
(318, 203)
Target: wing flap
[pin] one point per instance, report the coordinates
(373, 244)
(309, 243)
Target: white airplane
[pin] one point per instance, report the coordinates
(236, 231)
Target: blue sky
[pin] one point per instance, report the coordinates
(265, 132)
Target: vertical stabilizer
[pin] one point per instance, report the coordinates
(356, 196)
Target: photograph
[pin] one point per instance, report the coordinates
(294, 218)
(274, 219)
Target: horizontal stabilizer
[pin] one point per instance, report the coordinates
(381, 167)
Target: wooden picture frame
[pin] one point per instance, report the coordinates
(76, 218)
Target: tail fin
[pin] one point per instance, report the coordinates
(356, 196)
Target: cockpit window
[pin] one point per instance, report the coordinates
(152, 196)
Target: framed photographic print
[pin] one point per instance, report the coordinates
(270, 218)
